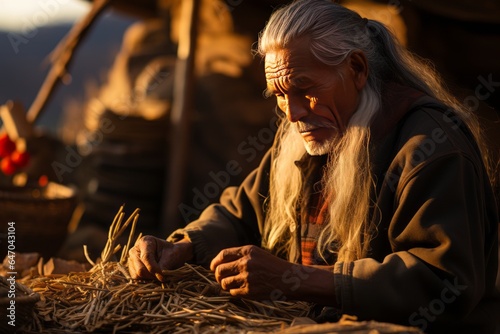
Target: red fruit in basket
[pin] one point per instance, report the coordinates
(7, 166)
(7, 146)
(20, 159)
(43, 181)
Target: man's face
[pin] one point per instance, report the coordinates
(319, 99)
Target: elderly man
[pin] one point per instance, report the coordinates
(375, 199)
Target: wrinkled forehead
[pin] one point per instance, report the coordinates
(277, 63)
(295, 58)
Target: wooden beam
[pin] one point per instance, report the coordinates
(61, 57)
(180, 116)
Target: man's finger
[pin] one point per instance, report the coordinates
(240, 292)
(138, 270)
(142, 261)
(226, 255)
(147, 255)
(224, 270)
(232, 282)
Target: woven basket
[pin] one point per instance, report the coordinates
(25, 301)
(41, 217)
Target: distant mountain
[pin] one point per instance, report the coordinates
(22, 73)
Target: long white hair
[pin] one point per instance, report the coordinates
(334, 32)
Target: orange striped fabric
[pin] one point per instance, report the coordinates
(314, 209)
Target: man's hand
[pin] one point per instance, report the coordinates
(250, 271)
(151, 255)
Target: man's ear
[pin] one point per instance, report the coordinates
(358, 66)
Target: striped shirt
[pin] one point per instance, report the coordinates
(314, 209)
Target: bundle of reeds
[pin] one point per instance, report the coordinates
(105, 299)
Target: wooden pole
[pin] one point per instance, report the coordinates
(61, 58)
(180, 116)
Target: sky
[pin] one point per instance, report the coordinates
(26, 15)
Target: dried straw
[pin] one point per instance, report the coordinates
(105, 299)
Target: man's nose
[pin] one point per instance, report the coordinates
(295, 109)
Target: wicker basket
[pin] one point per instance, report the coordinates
(25, 301)
(41, 217)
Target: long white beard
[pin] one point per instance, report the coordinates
(315, 148)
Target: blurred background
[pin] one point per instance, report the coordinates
(31, 29)
(106, 132)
